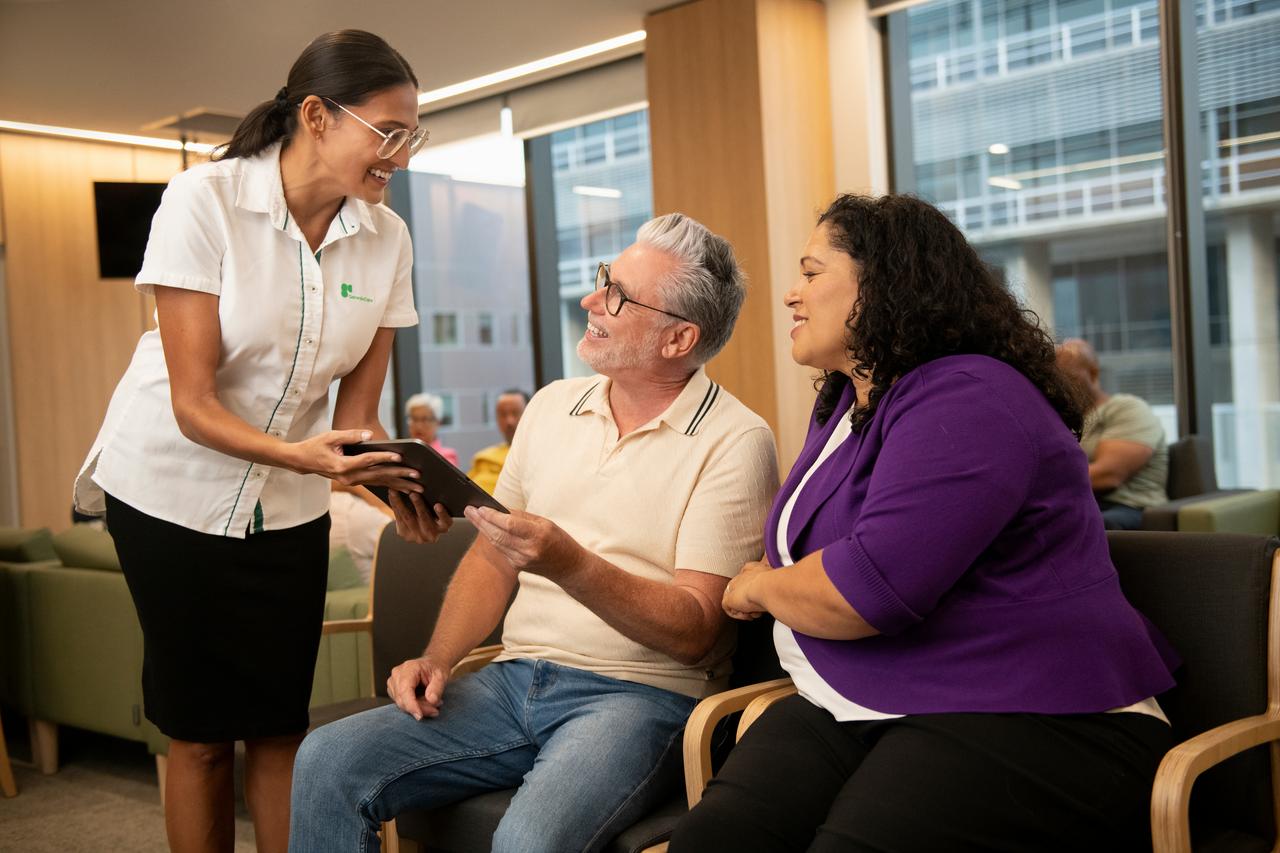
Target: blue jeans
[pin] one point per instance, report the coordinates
(1119, 516)
(590, 754)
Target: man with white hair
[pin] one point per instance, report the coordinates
(635, 495)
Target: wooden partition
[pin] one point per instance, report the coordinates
(740, 118)
(71, 333)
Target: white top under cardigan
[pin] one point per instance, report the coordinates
(292, 322)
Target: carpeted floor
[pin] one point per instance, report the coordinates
(103, 799)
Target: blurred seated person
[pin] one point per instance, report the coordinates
(424, 412)
(486, 465)
(1124, 440)
(969, 673)
(357, 518)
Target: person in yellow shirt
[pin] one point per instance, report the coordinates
(487, 464)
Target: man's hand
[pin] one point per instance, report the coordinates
(404, 681)
(415, 521)
(738, 600)
(530, 543)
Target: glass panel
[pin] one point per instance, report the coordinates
(1051, 161)
(1240, 121)
(471, 281)
(602, 194)
(484, 329)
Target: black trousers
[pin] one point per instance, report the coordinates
(799, 780)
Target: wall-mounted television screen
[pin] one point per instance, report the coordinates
(124, 212)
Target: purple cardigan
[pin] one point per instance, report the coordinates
(960, 524)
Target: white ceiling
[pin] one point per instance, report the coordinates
(116, 65)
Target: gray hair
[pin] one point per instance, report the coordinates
(430, 401)
(707, 285)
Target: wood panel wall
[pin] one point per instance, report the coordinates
(740, 124)
(71, 333)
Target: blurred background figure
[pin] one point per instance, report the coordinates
(357, 518)
(1124, 440)
(425, 412)
(487, 464)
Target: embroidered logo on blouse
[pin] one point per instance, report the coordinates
(349, 292)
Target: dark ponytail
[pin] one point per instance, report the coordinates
(347, 66)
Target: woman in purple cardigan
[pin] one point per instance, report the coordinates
(970, 675)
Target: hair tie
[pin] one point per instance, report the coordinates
(282, 99)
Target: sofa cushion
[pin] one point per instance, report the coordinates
(342, 570)
(26, 546)
(86, 546)
(1245, 512)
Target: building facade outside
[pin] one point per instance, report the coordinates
(1036, 126)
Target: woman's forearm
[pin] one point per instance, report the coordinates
(804, 599)
(207, 422)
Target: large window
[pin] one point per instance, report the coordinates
(1238, 48)
(1036, 126)
(471, 282)
(597, 194)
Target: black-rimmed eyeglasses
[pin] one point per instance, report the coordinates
(615, 298)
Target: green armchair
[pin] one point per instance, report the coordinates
(71, 648)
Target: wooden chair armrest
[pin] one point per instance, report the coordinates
(759, 705)
(701, 725)
(1171, 794)
(479, 656)
(347, 626)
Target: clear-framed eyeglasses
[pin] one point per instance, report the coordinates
(615, 297)
(395, 140)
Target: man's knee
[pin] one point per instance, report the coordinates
(329, 758)
(524, 833)
(315, 764)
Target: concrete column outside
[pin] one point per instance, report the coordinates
(1255, 354)
(1027, 270)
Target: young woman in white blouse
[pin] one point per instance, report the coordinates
(276, 271)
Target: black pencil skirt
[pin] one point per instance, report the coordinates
(230, 627)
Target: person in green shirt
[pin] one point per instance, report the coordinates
(487, 464)
(1124, 440)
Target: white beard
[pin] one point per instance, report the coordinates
(622, 357)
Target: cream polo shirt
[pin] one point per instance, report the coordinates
(292, 322)
(688, 490)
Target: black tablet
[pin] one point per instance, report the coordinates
(442, 483)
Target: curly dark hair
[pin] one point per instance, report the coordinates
(923, 293)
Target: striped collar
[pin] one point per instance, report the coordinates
(685, 415)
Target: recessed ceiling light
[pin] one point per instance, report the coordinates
(517, 71)
(598, 192)
(997, 148)
(100, 136)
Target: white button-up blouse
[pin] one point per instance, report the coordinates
(292, 322)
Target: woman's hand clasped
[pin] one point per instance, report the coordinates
(738, 601)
